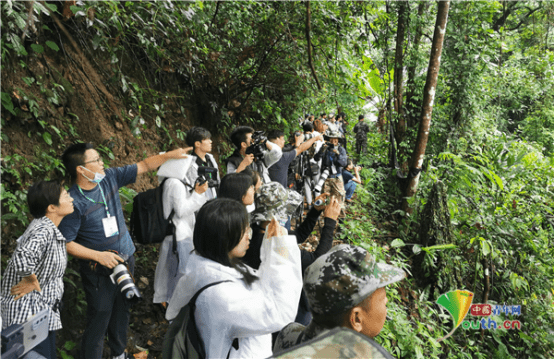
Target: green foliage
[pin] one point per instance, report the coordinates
(228, 63)
(501, 199)
(69, 345)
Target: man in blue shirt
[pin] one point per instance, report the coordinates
(97, 235)
(278, 171)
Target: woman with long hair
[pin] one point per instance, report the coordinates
(250, 304)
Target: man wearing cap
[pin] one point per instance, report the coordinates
(333, 158)
(345, 288)
(361, 129)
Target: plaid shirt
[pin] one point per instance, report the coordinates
(40, 250)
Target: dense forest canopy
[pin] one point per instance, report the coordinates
(133, 76)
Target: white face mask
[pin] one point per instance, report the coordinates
(98, 177)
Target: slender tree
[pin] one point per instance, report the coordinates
(398, 71)
(309, 43)
(428, 99)
(400, 131)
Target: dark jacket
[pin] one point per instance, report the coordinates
(236, 158)
(329, 157)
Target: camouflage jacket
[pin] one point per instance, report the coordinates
(335, 343)
(294, 334)
(361, 129)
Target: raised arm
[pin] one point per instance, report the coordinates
(307, 144)
(153, 162)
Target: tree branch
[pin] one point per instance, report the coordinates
(215, 13)
(308, 28)
(525, 18)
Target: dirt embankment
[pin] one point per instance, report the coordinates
(60, 97)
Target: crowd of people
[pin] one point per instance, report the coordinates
(234, 243)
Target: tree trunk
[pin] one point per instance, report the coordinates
(400, 131)
(399, 67)
(428, 99)
(410, 86)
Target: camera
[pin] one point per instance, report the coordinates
(307, 136)
(125, 283)
(18, 340)
(257, 146)
(209, 174)
(321, 181)
(321, 202)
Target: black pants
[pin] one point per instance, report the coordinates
(107, 313)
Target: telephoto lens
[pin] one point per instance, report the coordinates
(322, 179)
(125, 283)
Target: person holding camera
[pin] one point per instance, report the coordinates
(33, 279)
(203, 168)
(235, 317)
(253, 153)
(97, 235)
(333, 159)
(189, 183)
(351, 180)
(278, 172)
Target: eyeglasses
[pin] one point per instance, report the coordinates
(98, 160)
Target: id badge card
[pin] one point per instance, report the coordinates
(110, 226)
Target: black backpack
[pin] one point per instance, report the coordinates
(182, 340)
(148, 224)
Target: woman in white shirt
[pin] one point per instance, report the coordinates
(253, 303)
(179, 198)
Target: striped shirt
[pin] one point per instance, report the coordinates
(40, 250)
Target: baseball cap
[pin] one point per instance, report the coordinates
(343, 277)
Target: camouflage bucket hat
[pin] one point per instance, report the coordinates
(343, 277)
(274, 200)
